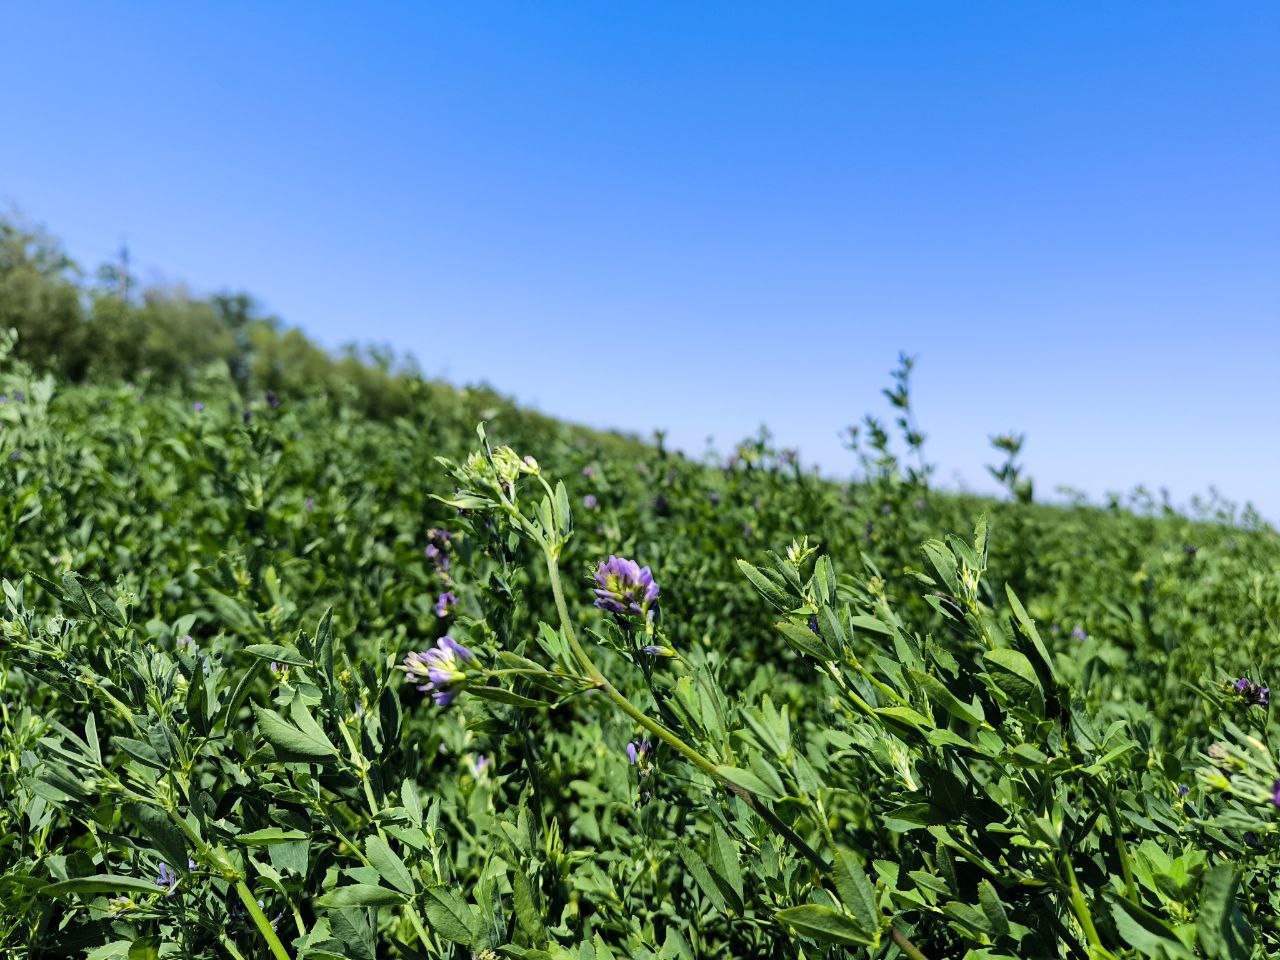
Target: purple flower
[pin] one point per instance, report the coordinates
(1183, 789)
(186, 643)
(445, 604)
(479, 765)
(1079, 634)
(714, 498)
(1275, 793)
(19, 395)
(638, 753)
(437, 544)
(588, 471)
(198, 406)
(590, 501)
(309, 504)
(16, 455)
(272, 400)
(624, 588)
(1253, 694)
(441, 668)
(167, 878)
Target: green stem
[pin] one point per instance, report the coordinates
(261, 922)
(1080, 907)
(1130, 888)
(375, 808)
(906, 946)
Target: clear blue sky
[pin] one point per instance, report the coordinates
(705, 216)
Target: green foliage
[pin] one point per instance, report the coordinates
(862, 725)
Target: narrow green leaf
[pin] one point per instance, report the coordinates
(388, 864)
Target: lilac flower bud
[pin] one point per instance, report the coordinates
(1183, 789)
(656, 650)
(479, 765)
(1275, 793)
(624, 588)
(198, 406)
(590, 501)
(441, 668)
(589, 471)
(1079, 634)
(445, 604)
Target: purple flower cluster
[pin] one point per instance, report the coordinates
(1275, 793)
(1253, 694)
(624, 588)
(441, 668)
(1078, 634)
(437, 549)
(445, 604)
(590, 501)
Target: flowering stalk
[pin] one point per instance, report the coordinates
(686, 751)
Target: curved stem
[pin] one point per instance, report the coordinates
(261, 922)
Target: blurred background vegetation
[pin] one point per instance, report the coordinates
(103, 324)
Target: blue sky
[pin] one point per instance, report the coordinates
(705, 217)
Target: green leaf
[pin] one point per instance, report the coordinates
(388, 864)
(989, 900)
(449, 914)
(747, 781)
(1222, 930)
(856, 891)
(101, 883)
(527, 914)
(145, 948)
(274, 651)
(723, 860)
(361, 895)
(805, 640)
(768, 588)
(825, 925)
(268, 836)
(412, 803)
(162, 833)
(501, 695)
(291, 744)
(697, 868)
(1013, 673)
(944, 698)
